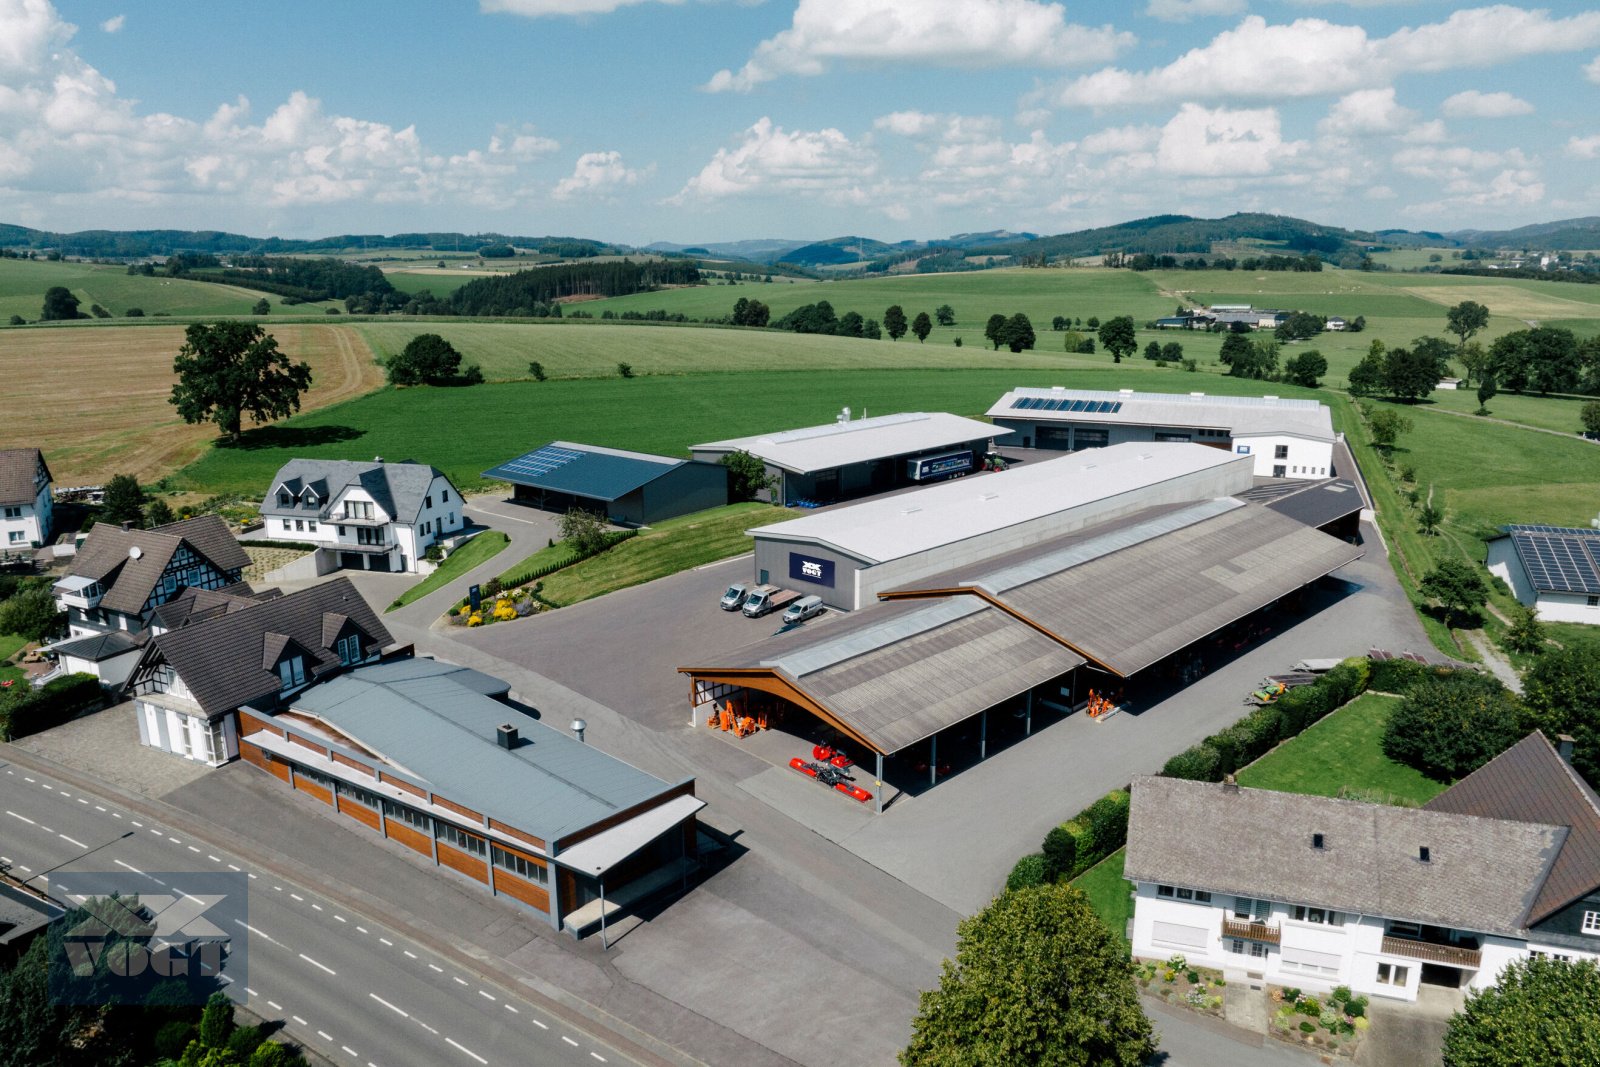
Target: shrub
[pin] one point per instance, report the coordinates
(1060, 851)
(1451, 724)
(1308, 1006)
(1291, 996)
(1308, 1027)
(1340, 994)
(245, 1040)
(490, 588)
(1197, 763)
(625, 369)
(57, 702)
(1397, 675)
(173, 1038)
(1028, 872)
(1107, 820)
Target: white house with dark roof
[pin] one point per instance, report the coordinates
(1316, 892)
(1555, 570)
(362, 516)
(25, 502)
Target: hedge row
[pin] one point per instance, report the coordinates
(533, 574)
(301, 546)
(1077, 844)
(50, 705)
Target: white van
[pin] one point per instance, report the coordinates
(807, 607)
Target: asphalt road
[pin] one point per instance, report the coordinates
(355, 990)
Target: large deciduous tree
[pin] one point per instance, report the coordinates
(1562, 692)
(945, 314)
(894, 322)
(1234, 345)
(1387, 425)
(1466, 319)
(1117, 336)
(1539, 1013)
(123, 502)
(1457, 586)
(994, 330)
(922, 326)
(1037, 979)
(1410, 373)
(1018, 333)
(1547, 359)
(747, 476)
(59, 303)
(1306, 369)
(1450, 725)
(426, 358)
(232, 369)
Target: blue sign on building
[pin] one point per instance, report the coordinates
(809, 569)
(941, 465)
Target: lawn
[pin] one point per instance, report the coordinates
(484, 546)
(1109, 892)
(1342, 752)
(10, 645)
(554, 554)
(23, 282)
(666, 548)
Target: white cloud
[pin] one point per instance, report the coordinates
(1431, 132)
(538, 8)
(1471, 104)
(1367, 111)
(597, 174)
(114, 24)
(770, 159)
(1315, 57)
(1216, 143)
(1184, 10)
(947, 33)
(1454, 163)
(1119, 140)
(1591, 70)
(906, 123)
(1584, 147)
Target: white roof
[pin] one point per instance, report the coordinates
(897, 526)
(838, 444)
(1242, 416)
(598, 854)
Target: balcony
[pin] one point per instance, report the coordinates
(1428, 952)
(79, 592)
(1251, 931)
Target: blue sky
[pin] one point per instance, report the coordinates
(705, 120)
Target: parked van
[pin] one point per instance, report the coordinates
(807, 607)
(734, 598)
(767, 598)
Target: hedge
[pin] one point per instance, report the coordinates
(301, 546)
(535, 573)
(53, 704)
(1029, 872)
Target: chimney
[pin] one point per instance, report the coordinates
(1229, 785)
(507, 736)
(1424, 855)
(1317, 842)
(1564, 747)
(127, 524)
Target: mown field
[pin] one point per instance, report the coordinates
(24, 281)
(96, 399)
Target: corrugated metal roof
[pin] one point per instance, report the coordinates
(1481, 875)
(1240, 415)
(584, 470)
(435, 720)
(820, 448)
(897, 526)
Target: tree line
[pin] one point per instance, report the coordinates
(520, 294)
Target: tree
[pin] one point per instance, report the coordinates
(1233, 346)
(1019, 333)
(1436, 349)
(747, 476)
(31, 612)
(232, 369)
(1409, 374)
(1547, 358)
(1526, 632)
(1452, 723)
(625, 370)
(1457, 586)
(158, 513)
(1117, 337)
(1473, 359)
(59, 303)
(1368, 377)
(871, 330)
(850, 324)
(583, 530)
(536, 369)
(1152, 350)
(1298, 326)
(261, 307)
(17, 320)
(922, 326)
(1466, 319)
(1093, 323)
(1172, 352)
(426, 358)
(1429, 517)
(1037, 979)
(894, 322)
(1486, 390)
(1260, 361)
(945, 314)
(1387, 426)
(134, 313)
(1590, 414)
(1562, 692)
(994, 330)
(1305, 369)
(124, 501)
(750, 313)
(1539, 1013)
(216, 1021)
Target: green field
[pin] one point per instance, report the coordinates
(484, 546)
(466, 431)
(23, 282)
(1109, 892)
(1342, 753)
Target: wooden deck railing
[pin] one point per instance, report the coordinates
(1450, 955)
(1251, 931)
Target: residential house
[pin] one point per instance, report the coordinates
(25, 517)
(1555, 570)
(362, 516)
(1317, 892)
(1335, 324)
(226, 653)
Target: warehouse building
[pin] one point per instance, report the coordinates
(1284, 438)
(848, 556)
(857, 457)
(628, 488)
(1555, 570)
(433, 757)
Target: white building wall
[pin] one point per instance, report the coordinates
(1504, 564)
(1305, 458)
(1568, 607)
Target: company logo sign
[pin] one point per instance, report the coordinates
(809, 569)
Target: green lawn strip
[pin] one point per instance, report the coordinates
(482, 547)
(545, 557)
(1342, 752)
(663, 549)
(1109, 892)
(10, 645)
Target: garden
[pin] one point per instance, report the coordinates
(1176, 982)
(1334, 1024)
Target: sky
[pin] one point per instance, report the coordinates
(714, 120)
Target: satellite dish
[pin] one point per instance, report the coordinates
(135, 552)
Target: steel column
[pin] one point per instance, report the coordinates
(880, 783)
(983, 734)
(933, 761)
(1027, 729)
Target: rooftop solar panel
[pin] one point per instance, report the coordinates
(1557, 559)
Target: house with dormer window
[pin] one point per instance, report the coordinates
(230, 653)
(362, 516)
(25, 500)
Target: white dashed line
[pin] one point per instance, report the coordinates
(408, 952)
(386, 941)
(512, 1010)
(426, 1027)
(212, 858)
(72, 841)
(63, 792)
(23, 867)
(46, 829)
(85, 802)
(258, 933)
(25, 778)
(318, 907)
(324, 1035)
(339, 917)
(250, 876)
(435, 967)
(539, 1024)
(487, 996)
(569, 1040)
(24, 818)
(295, 896)
(137, 823)
(233, 866)
(116, 815)
(98, 808)
(274, 1005)
(174, 840)
(350, 1051)
(299, 1020)
(465, 1049)
(192, 849)
(459, 981)
(398, 1011)
(597, 1056)
(314, 963)
(252, 992)
(363, 929)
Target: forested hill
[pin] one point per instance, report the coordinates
(1565, 235)
(132, 244)
(528, 292)
(1184, 234)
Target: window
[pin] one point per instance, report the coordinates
(1410, 931)
(300, 524)
(1250, 910)
(1280, 451)
(1318, 841)
(13, 513)
(444, 495)
(369, 535)
(358, 509)
(292, 672)
(533, 872)
(1318, 915)
(1594, 602)
(285, 500)
(341, 531)
(1258, 950)
(216, 740)
(359, 795)
(427, 501)
(15, 536)
(409, 816)
(169, 584)
(1236, 946)
(1181, 893)
(1591, 922)
(1392, 974)
(350, 649)
(1164, 891)
(314, 776)
(451, 835)
(311, 525)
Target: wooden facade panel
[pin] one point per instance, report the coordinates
(567, 882)
(296, 739)
(313, 789)
(409, 837)
(521, 889)
(360, 813)
(253, 754)
(510, 831)
(249, 724)
(389, 779)
(346, 761)
(458, 809)
(456, 860)
(684, 790)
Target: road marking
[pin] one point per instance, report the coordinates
(436, 967)
(468, 1051)
(351, 1051)
(426, 1027)
(569, 1040)
(317, 906)
(386, 941)
(250, 876)
(408, 952)
(98, 808)
(252, 992)
(299, 1020)
(720, 562)
(324, 1035)
(512, 1010)
(295, 896)
(363, 929)
(275, 1005)
(174, 840)
(23, 867)
(539, 1024)
(597, 1056)
(398, 1011)
(63, 792)
(70, 841)
(233, 866)
(24, 818)
(25, 778)
(45, 828)
(489, 996)
(116, 815)
(341, 918)
(461, 981)
(85, 802)
(258, 933)
(212, 858)
(192, 848)
(319, 966)
(225, 979)
(137, 823)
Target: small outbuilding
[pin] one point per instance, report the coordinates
(629, 488)
(1555, 570)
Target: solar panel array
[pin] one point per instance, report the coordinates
(1088, 407)
(1559, 559)
(539, 463)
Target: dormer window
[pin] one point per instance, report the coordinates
(358, 509)
(350, 650)
(1317, 842)
(285, 500)
(292, 673)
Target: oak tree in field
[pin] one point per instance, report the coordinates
(1233, 346)
(1410, 374)
(261, 307)
(1387, 425)
(894, 322)
(1539, 1013)
(994, 330)
(1117, 336)
(922, 326)
(945, 314)
(1466, 319)
(427, 358)
(232, 369)
(1018, 333)
(59, 303)
(1306, 368)
(1457, 586)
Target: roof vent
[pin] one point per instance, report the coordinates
(1269, 398)
(1229, 784)
(135, 552)
(1058, 388)
(988, 496)
(1317, 842)
(1564, 745)
(507, 736)
(1424, 855)
(912, 510)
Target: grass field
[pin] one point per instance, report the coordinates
(1342, 753)
(23, 282)
(96, 399)
(665, 548)
(482, 547)
(1109, 892)
(10, 645)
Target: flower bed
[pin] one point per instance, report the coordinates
(496, 606)
(1334, 1023)
(1175, 981)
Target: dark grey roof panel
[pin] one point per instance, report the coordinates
(97, 647)
(19, 470)
(398, 488)
(1320, 504)
(129, 577)
(584, 470)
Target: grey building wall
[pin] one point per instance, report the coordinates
(1063, 435)
(851, 480)
(772, 559)
(1565, 927)
(692, 487)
